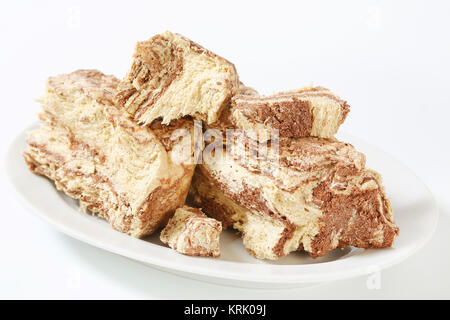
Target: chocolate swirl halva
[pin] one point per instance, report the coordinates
(131, 176)
(307, 112)
(312, 194)
(192, 233)
(171, 77)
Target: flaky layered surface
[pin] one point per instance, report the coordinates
(172, 77)
(311, 111)
(132, 176)
(192, 233)
(309, 193)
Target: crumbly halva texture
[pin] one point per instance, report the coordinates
(311, 193)
(246, 91)
(125, 150)
(192, 233)
(311, 111)
(134, 177)
(224, 121)
(171, 77)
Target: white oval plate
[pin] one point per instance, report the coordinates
(414, 209)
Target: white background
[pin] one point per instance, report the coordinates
(389, 59)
